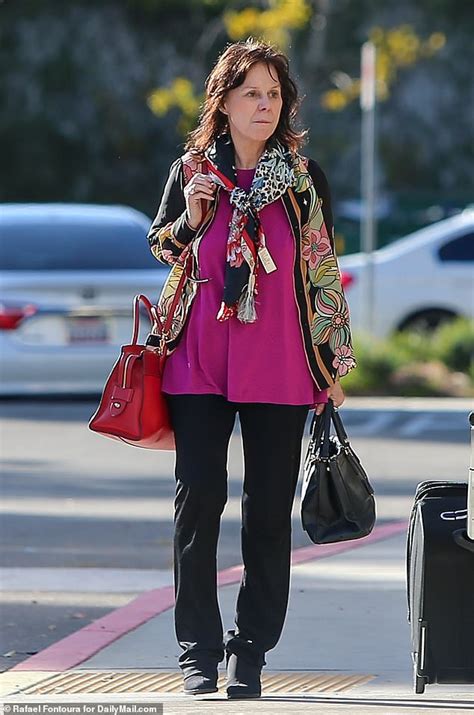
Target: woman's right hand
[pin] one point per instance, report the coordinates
(200, 186)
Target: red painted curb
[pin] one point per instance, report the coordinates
(83, 644)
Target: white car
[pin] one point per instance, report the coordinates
(418, 281)
(69, 273)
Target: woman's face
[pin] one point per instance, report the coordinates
(254, 107)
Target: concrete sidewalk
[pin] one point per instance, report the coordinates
(345, 646)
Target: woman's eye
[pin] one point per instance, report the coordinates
(251, 93)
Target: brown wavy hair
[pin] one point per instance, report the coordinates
(229, 72)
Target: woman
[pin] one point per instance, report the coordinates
(245, 221)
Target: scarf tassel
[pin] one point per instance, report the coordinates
(246, 311)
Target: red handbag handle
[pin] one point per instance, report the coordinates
(152, 310)
(136, 315)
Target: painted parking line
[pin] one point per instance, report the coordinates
(403, 424)
(373, 424)
(69, 652)
(421, 424)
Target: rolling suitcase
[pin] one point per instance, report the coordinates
(440, 580)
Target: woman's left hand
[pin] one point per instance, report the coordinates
(336, 394)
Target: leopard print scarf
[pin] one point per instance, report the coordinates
(246, 247)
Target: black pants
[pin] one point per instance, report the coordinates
(271, 436)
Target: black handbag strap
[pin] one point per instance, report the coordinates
(340, 431)
(321, 428)
(326, 429)
(317, 429)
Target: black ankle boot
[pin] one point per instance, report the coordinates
(243, 677)
(197, 682)
(199, 685)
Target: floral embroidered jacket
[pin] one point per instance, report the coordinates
(322, 306)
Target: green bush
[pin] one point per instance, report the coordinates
(375, 364)
(411, 347)
(415, 363)
(453, 344)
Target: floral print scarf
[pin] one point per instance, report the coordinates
(246, 245)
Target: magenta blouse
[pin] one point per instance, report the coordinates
(262, 361)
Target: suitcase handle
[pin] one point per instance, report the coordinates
(461, 538)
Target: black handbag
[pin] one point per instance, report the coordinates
(337, 502)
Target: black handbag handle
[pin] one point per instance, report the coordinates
(340, 430)
(317, 427)
(326, 429)
(321, 428)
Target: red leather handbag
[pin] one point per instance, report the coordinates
(132, 408)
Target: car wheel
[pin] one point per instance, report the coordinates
(427, 320)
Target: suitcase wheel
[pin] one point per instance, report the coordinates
(419, 684)
(419, 681)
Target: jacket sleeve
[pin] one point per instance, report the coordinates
(170, 232)
(323, 191)
(345, 362)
